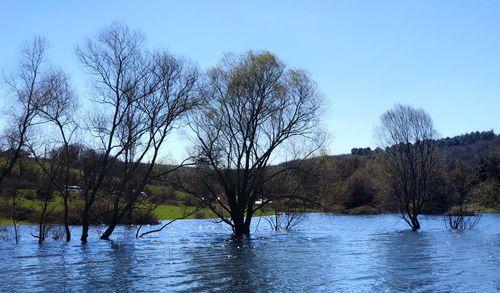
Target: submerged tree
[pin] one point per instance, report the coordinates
(55, 162)
(253, 106)
(60, 113)
(287, 217)
(113, 60)
(460, 214)
(142, 96)
(148, 122)
(411, 158)
(28, 88)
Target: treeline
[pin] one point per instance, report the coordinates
(356, 182)
(461, 140)
(467, 138)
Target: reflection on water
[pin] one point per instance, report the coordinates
(344, 253)
(225, 264)
(407, 256)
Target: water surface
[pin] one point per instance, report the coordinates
(341, 253)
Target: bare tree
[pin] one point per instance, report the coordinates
(460, 214)
(253, 107)
(148, 123)
(28, 93)
(58, 112)
(45, 190)
(60, 115)
(114, 61)
(411, 158)
(143, 96)
(287, 218)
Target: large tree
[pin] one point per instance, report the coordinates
(408, 135)
(253, 107)
(142, 96)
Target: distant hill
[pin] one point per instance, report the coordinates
(468, 147)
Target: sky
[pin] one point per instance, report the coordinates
(366, 56)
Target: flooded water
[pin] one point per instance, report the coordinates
(341, 253)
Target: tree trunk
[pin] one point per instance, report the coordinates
(114, 222)
(109, 230)
(85, 225)
(246, 228)
(117, 218)
(14, 217)
(241, 227)
(41, 228)
(240, 230)
(66, 220)
(415, 224)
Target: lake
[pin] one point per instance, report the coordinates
(325, 253)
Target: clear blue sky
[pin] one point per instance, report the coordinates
(443, 56)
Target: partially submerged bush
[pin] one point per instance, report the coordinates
(462, 218)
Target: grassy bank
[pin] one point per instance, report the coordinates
(163, 212)
(170, 211)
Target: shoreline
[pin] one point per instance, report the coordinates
(8, 222)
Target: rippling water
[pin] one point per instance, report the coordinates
(341, 253)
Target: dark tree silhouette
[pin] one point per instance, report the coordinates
(28, 91)
(411, 158)
(142, 96)
(460, 214)
(253, 106)
(57, 112)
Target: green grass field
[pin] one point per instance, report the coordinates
(163, 212)
(5, 222)
(170, 212)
